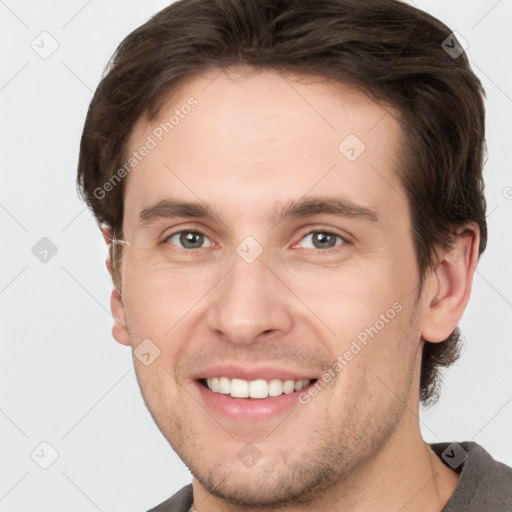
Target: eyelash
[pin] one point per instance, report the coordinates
(167, 238)
(329, 250)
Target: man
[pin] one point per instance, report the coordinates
(292, 196)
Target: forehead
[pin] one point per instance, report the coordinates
(246, 140)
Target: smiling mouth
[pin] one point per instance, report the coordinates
(258, 389)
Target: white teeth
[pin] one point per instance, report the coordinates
(224, 386)
(259, 388)
(275, 387)
(289, 386)
(239, 388)
(299, 384)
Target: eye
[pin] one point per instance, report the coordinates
(321, 240)
(189, 239)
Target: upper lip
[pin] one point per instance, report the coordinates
(234, 371)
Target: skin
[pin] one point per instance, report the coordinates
(256, 141)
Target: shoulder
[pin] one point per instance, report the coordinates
(484, 483)
(180, 502)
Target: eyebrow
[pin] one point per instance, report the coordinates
(341, 207)
(169, 208)
(305, 207)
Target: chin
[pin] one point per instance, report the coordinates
(267, 484)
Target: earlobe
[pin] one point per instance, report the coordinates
(449, 286)
(119, 329)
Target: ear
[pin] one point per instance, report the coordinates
(448, 287)
(107, 236)
(119, 329)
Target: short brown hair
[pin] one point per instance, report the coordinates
(396, 54)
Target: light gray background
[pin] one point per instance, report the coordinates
(64, 380)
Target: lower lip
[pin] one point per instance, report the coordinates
(249, 409)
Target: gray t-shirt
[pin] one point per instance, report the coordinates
(484, 485)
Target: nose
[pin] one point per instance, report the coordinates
(249, 302)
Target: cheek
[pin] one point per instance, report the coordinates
(366, 314)
(351, 298)
(377, 369)
(158, 299)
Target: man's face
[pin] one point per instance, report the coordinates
(306, 260)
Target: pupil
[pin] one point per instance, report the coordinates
(323, 240)
(191, 240)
